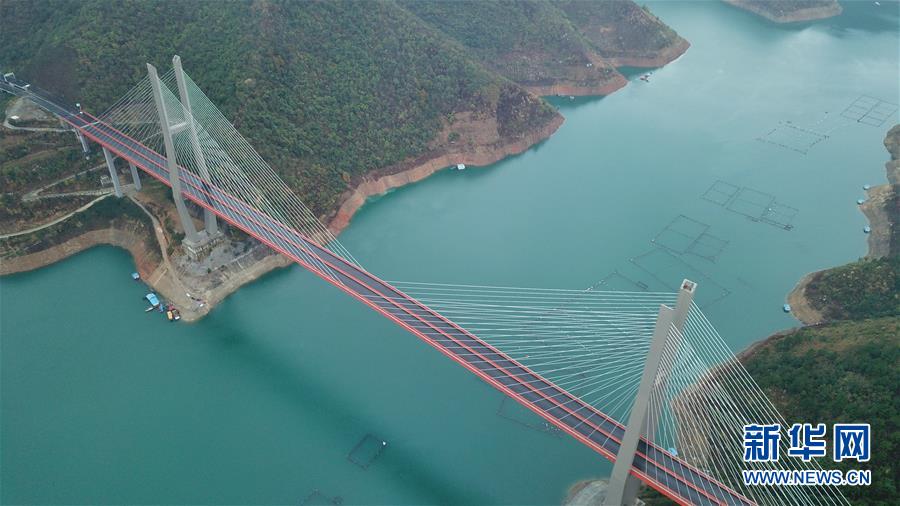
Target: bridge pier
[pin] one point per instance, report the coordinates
(135, 177)
(84, 145)
(623, 487)
(113, 175)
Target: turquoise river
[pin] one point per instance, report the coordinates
(262, 401)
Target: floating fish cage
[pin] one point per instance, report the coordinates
(753, 204)
(789, 136)
(669, 271)
(367, 451)
(684, 235)
(870, 111)
(317, 498)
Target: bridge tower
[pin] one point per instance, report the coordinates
(195, 242)
(623, 488)
(209, 217)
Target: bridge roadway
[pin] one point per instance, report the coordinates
(652, 465)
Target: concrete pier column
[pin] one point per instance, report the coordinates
(135, 177)
(83, 141)
(623, 487)
(113, 175)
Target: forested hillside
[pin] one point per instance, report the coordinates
(782, 11)
(842, 372)
(325, 91)
(328, 91)
(625, 33)
(530, 42)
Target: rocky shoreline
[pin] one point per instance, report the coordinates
(805, 14)
(664, 57)
(880, 222)
(154, 269)
(879, 246)
(146, 261)
(409, 172)
(573, 89)
(382, 180)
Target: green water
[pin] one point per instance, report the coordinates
(262, 401)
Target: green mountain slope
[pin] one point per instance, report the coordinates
(325, 90)
(842, 372)
(782, 11)
(530, 42)
(625, 33)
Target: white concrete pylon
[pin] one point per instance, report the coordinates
(208, 215)
(190, 231)
(623, 487)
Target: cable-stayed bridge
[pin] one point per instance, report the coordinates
(641, 378)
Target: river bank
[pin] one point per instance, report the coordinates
(777, 12)
(577, 90)
(193, 288)
(881, 213)
(663, 57)
(380, 181)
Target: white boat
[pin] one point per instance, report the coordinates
(460, 166)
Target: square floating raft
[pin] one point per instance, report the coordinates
(751, 203)
(680, 234)
(780, 215)
(789, 136)
(755, 205)
(669, 270)
(708, 247)
(870, 111)
(367, 451)
(685, 235)
(616, 281)
(721, 193)
(317, 498)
